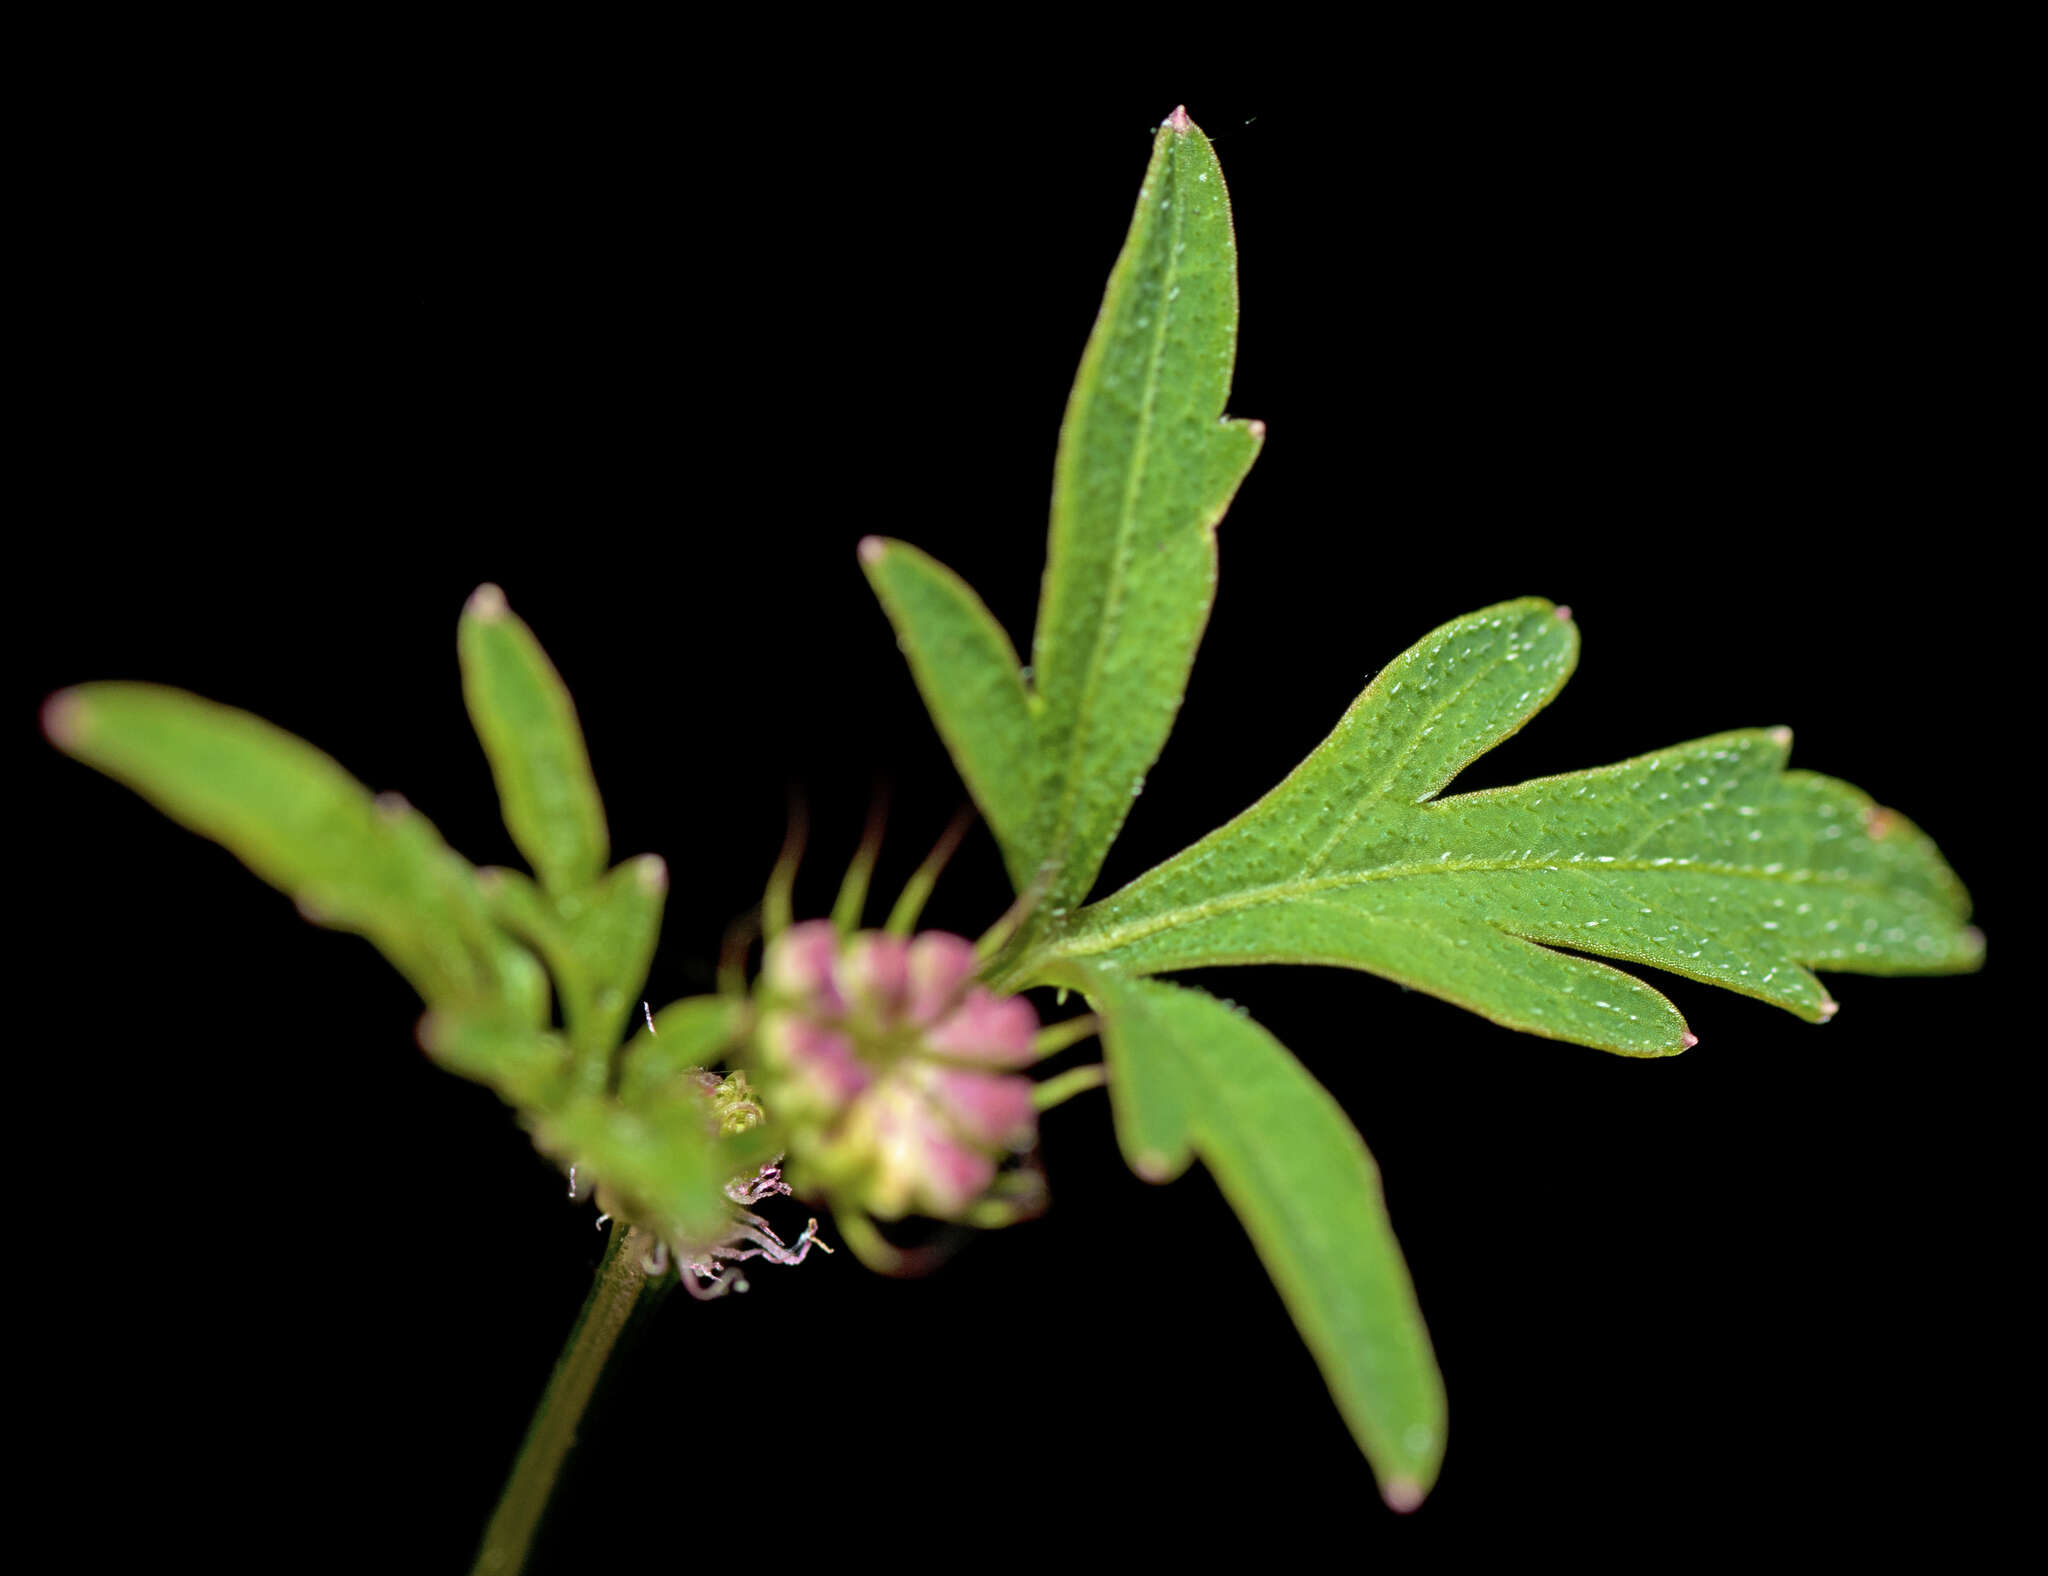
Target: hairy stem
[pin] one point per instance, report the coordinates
(622, 1281)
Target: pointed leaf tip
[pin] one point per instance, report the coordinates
(1689, 1039)
(1829, 1008)
(1402, 1495)
(1179, 121)
(871, 549)
(1564, 612)
(63, 720)
(652, 871)
(486, 602)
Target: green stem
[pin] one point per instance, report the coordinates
(621, 1281)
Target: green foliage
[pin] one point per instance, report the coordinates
(1707, 860)
(350, 860)
(465, 938)
(1145, 469)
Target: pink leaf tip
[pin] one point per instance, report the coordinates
(1179, 121)
(1256, 428)
(1829, 1008)
(486, 602)
(652, 872)
(1564, 612)
(1402, 1495)
(871, 550)
(63, 724)
(1782, 738)
(1689, 1039)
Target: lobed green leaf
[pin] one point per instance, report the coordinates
(1146, 467)
(1707, 860)
(1190, 1076)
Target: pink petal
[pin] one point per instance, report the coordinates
(798, 966)
(995, 1030)
(918, 1164)
(816, 1061)
(941, 965)
(989, 1107)
(874, 973)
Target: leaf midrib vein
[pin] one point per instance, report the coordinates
(1105, 629)
(1377, 792)
(1086, 944)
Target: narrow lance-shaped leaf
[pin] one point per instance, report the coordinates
(1146, 467)
(1706, 859)
(522, 713)
(1190, 1076)
(967, 670)
(371, 865)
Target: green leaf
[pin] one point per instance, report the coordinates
(1707, 859)
(967, 670)
(1190, 1076)
(698, 1031)
(659, 1160)
(1146, 467)
(351, 861)
(597, 942)
(522, 712)
(524, 1063)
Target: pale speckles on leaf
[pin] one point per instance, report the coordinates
(1146, 466)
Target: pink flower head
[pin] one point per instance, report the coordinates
(893, 1066)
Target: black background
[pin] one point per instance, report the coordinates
(1720, 363)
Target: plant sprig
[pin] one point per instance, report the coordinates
(1709, 860)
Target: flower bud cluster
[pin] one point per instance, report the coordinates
(892, 1068)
